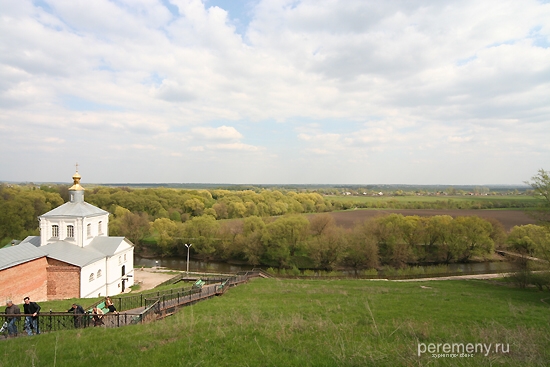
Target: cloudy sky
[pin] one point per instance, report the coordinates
(275, 91)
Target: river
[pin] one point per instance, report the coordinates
(177, 263)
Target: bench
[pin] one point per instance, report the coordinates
(101, 306)
(198, 284)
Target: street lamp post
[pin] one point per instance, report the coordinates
(188, 247)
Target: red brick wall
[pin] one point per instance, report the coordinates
(27, 279)
(63, 280)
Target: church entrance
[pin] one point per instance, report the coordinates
(123, 280)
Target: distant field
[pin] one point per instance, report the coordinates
(272, 322)
(508, 218)
(430, 199)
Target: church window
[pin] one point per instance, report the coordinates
(55, 230)
(91, 277)
(124, 257)
(89, 230)
(99, 228)
(119, 260)
(99, 273)
(70, 231)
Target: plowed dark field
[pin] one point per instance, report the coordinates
(508, 218)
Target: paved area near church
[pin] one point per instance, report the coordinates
(149, 278)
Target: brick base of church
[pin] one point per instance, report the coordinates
(63, 280)
(42, 279)
(27, 279)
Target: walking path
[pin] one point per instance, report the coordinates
(457, 277)
(149, 278)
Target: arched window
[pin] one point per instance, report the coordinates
(70, 231)
(99, 228)
(124, 257)
(55, 230)
(89, 230)
(99, 273)
(91, 279)
(119, 260)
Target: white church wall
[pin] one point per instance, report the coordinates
(91, 228)
(93, 280)
(124, 258)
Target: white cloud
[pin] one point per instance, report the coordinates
(219, 133)
(235, 146)
(394, 81)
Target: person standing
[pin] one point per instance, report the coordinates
(12, 312)
(78, 311)
(31, 322)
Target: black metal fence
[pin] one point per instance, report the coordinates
(56, 321)
(130, 302)
(145, 307)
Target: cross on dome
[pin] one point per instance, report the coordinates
(76, 181)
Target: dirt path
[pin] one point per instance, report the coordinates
(456, 277)
(149, 278)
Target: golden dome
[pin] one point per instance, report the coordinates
(76, 182)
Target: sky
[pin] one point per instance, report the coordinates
(275, 91)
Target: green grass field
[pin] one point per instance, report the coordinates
(273, 322)
(432, 199)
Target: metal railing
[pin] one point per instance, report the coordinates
(149, 306)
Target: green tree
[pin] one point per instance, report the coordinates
(361, 250)
(291, 231)
(194, 206)
(320, 223)
(541, 191)
(530, 241)
(389, 232)
(202, 232)
(437, 230)
(254, 230)
(19, 208)
(470, 236)
(327, 248)
(134, 226)
(166, 232)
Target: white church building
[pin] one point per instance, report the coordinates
(73, 256)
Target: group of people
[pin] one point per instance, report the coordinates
(31, 311)
(97, 313)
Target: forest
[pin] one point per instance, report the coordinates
(268, 227)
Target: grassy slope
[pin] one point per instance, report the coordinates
(271, 322)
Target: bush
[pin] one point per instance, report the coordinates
(370, 272)
(309, 273)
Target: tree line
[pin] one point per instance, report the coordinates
(264, 227)
(20, 205)
(317, 242)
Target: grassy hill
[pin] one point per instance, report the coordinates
(273, 322)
